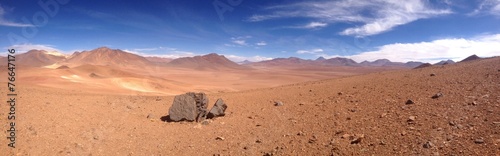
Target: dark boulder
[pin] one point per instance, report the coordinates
(218, 109)
(190, 106)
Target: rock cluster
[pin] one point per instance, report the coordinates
(193, 107)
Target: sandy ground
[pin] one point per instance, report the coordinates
(347, 115)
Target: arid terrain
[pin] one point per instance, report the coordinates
(106, 102)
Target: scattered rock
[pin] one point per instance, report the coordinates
(479, 141)
(278, 103)
(412, 118)
(190, 106)
(428, 144)
(218, 109)
(205, 122)
(258, 141)
(433, 74)
(219, 138)
(340, 93)
(474, 103)
(150, 116)
(409, 102)
(301, 133)
(438, 95)
(357, 139)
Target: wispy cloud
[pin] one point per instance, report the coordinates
(236, 58)
(452, 48)
(161, 52)
(8, 23)
(312, 51)
(27, 47)
(378, 16)
(491, 7)
(261, 43)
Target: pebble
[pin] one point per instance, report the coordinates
(278, 103)
(219, 138)
(433, 74)
(428, 144)
(438, 95)
(409, 102)
(479, 141)
(412, 118)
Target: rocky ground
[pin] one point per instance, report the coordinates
(439, 110)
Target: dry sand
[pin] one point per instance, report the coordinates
(69, 112)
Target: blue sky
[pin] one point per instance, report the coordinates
(412, 30)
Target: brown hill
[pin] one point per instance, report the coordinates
(35, 58)
(209, 61)
(471, 58)
(106, 56)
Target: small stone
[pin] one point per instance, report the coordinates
(258, 141)
(301, 133)
(278, 103)
(433, 74)
(438, 95)
(219, 138)
(412, 118)
(479, 141)
(383, 115)
(357, 139)
(205, 122)
(452, 123)
(345, 136)
(474, 103)
(340, 93)
(428, 144)
(150, 116)
(409, 102)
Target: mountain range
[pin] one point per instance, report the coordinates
(114, 57)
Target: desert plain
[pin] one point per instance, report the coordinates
(109, 102)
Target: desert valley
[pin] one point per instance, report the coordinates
(110, 102)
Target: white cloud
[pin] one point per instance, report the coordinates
(434, 51)
(27, 47)
(240, 42)
(313, 25)
(491, 7)
(378, 16)
(162, 52)
(257, 58)
(5, 22)
(312, 51)
(261, 43)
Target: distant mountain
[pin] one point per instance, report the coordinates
(321, 58)
(388, 63)
(425, 65)
(158, 59)
(106, 56)
(338, 61)
(210, 61)
(37, 58)
(445, 62)
(470, 58)
(245, 62)
(285, 62)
